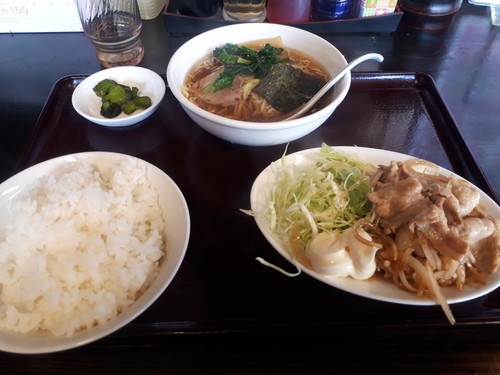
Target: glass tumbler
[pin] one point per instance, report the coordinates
(114, 28)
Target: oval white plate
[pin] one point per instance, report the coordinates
(376, 288)
(177, 230)
(88, 104)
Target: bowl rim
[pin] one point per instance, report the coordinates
(248, 125)
(129, 119)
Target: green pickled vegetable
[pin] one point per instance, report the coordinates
(129, 107)
(110, 110)
(142, 102)
(139, 102)
(116, 98)
(103, 87)
(116, 94)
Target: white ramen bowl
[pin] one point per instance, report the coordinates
(177, 230)
(256, 133)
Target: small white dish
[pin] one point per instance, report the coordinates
(177, 231)
(88, 104)
(374, 288)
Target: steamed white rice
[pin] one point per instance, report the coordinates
(81, 246)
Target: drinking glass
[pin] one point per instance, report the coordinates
(114, 28)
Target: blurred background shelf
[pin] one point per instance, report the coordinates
(177, 23)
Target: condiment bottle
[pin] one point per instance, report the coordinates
(288, 11)
(244, 10)
(328, 10)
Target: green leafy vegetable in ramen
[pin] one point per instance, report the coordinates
(117, 98)
(244, 61)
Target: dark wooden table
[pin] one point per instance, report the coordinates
(463, 60)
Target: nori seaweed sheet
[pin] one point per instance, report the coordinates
(286, 88)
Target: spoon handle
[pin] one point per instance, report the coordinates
(307, 106)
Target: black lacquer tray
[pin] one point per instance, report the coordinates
(220, 287)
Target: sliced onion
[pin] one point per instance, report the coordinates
(404, 281)
(428, 278)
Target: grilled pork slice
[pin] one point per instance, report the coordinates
(225, 97)
(437, 212)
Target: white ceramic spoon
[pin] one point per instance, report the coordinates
(308, 105)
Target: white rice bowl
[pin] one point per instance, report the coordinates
(87, 242)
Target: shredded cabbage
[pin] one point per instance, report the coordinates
(328, 194)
